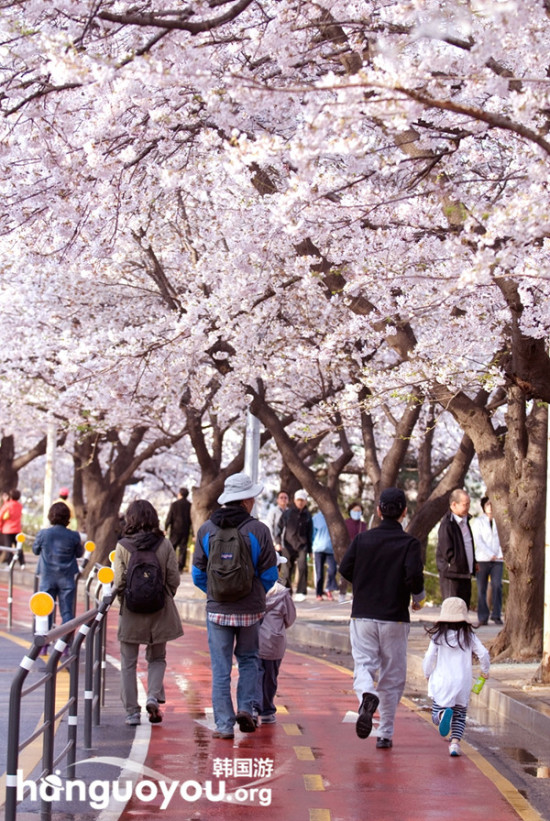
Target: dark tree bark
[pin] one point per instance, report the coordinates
(513, 466)
(431, 510)
(213, 475)
(326, 496)
(10, 464)
(105, 466)
(8, 474)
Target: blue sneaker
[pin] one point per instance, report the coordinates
(445, 718)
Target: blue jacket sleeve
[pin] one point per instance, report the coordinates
(269, 577)
(263, 553)
(37, 544)
(198, 573)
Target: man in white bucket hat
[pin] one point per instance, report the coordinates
(233, 623)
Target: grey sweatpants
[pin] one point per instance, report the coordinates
(155, 655)
(379, 650)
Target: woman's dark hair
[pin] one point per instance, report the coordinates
(484, 502)
(141, 517)
(59, 514)
(354, 504)
(463, 629)
(15, 495)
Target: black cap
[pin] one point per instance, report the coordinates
(392, 502)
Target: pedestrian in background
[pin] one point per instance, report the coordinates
(354, 525)
(295, 533)
(448, 667)
(64, 497)
(490, 563)
(178, 525)
(142, 532)
(274, 517)
(323, 553)
(11, 514)
(280, 614)
(455, 554)
(58, 549)
(384, 566)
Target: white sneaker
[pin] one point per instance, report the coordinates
(300, 597)
(454, 748)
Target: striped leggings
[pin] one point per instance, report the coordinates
(458, 722)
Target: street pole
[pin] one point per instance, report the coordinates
(252, 448)
(49, 476)
(545, 666)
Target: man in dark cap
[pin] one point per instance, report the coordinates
(384, 566)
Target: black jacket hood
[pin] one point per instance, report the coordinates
(230, 516)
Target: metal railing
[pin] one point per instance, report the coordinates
(16, 552)
(89, 628)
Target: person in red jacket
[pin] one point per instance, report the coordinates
(10, 523)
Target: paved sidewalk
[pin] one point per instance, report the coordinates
(510, 695)
(511, 691)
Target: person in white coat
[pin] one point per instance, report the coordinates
(490, 563)
(448, 667)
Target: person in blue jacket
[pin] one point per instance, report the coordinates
(323, 552)
(58, 549)
(234, 626)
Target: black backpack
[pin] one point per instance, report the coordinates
(144, 591)
(230, 570)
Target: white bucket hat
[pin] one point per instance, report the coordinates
(239, 486)
(301, 494)
(454, 609)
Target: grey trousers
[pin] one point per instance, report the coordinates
(155, 655)
(379, 650)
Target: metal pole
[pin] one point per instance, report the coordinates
(14, 720)
(50, 470)
(545, 666)
(10, 590)
(252, 449)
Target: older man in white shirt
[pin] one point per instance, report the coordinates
(490, 563)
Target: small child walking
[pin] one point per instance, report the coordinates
(448, 667)
(280, 613)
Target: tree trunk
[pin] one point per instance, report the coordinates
(10, 464)
(434, 508)
(514, 469)
(520, 518)
(326, 499)
(8, 475)
(105, 476)
(205, 501)
(103, 517)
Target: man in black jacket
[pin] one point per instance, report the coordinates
(455, 555)
(295, 532)
(178, 525)
(384, 566)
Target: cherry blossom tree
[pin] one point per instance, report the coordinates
(237, 187)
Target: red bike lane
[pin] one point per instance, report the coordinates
(309, 765)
